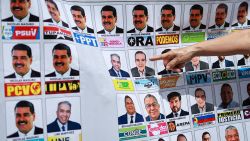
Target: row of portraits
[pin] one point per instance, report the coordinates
(63, 59)
(142, 18)
(24, 118)
(177, 103)
(140, 66)
(228, 132)
(25, 58)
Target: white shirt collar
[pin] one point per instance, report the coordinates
(58, 23)
(27, 75)
(111, 32)
(144, 30)
(82, 31)
(60, 125)
(129, 118)
(66, 74)
(25, 19)
(220, 27)
(170, 29)
(196, 28)
(196, 68)
(142, 73)
(202, 110)
(30, 133)
(222, 64)
(178, 113)
(244, 24)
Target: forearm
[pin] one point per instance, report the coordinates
(234, 43)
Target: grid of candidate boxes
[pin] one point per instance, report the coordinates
(208, 100)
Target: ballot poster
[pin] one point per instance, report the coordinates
(81, 71)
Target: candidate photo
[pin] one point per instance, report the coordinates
(109, 20)
(245, 60)
(80, 19)
(116, 70)
(62, 122)
(62, 59)
(165, 70)
(245, 93)
(232, 132)
(174, 98)
(25, 116)
(222, 62)
(201, 105)
(195, 18)
(242, 15)
(20, 10)
(131, 115)
(196, 64)
(140, 20)
(21, 62)
(152, 107)
(220, 19)
(206, 134)
(141, 69)
(228, 100)
(55, 19)
(168, 17)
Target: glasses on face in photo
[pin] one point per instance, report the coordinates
(151, 105)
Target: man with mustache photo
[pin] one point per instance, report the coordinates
(167, 19)
(21, 61)
(220, 17)
(242, 15)
(140, 19)
(195, 17)
(20, 11)
(61, 61)
(109, 19)
(79, 17)
(25, 117)
(55, 14)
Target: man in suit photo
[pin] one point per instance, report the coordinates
(196, 64)
(181, 137)
(62, 59)
(20, 11)
(222, 63)
(21, 62)
(246, 102)
(116, 70)
(232, 133)
(220, 17)
(245, 60)
(153, 108)
(62, 122)
(206, 136)
(174, 99)
(242, 15)
(55, 14)
(167, 19)
(195, 17)
(25, 120)
(141, 69)
(165, 70)
(79, 17)
(201, 105)
(131, 116)
(140, 19)
(226, 95)
(109, 19)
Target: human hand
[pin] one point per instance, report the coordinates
(175, 58)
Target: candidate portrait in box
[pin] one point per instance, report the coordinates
(22, 59)
(20, 10)
(25, 119)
